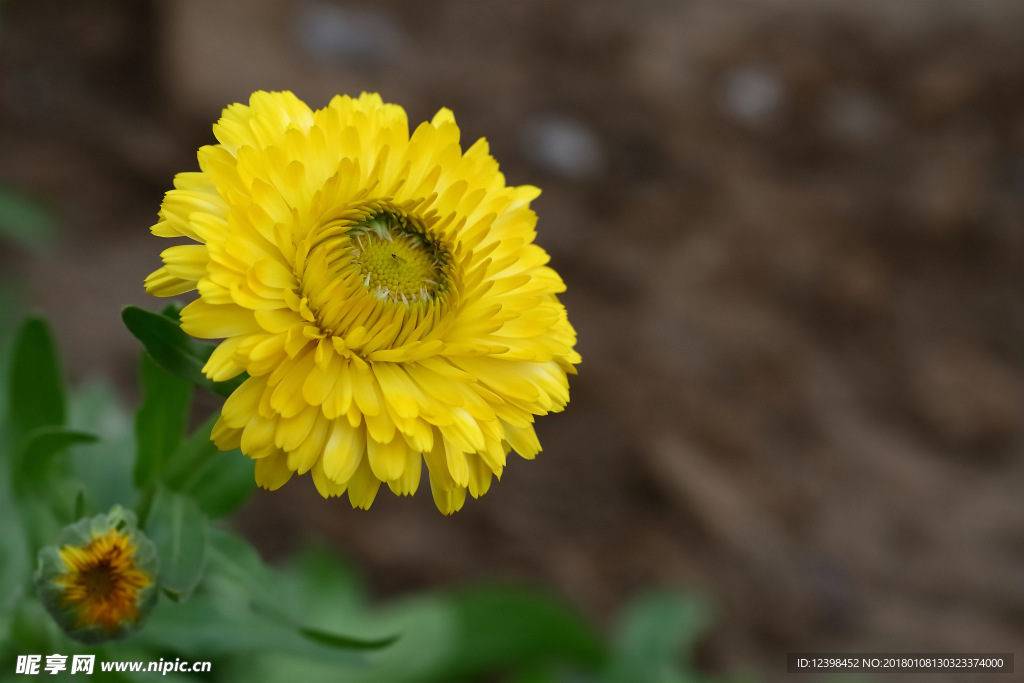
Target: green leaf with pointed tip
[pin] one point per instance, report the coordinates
(36, 385)
(160, 421)
(346, 642)
(178, 528)
(173, 350)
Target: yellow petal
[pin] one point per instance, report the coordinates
(479, 476)
(343, 451)
(458, 464)
(362, 487)
(209, 321)
(324, 484)
(447, 501)
(387, 460)
(309, 451)
(272, 472)
(407, 484)
(292, 431)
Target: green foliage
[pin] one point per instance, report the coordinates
(219, 482)
(36, 388)
(34, 466)
(178, 528)
(73, 457)
(160, 420)
(173, 350)
(656, 641)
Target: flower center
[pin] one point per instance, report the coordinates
(98, 581)
(397, 262)
(102, 582)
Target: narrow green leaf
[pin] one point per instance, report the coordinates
(36, 385)
(173, 350)
(346, 642)
(178, 529)
(160, 421)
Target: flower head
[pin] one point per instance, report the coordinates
(99, 580)
(382, 290)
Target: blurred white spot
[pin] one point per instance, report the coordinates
(564, 146)
(854, 116)
(752, 94)
(346, 35)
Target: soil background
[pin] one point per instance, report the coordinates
(793, 238)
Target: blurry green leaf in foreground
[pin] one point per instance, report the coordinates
(160, 420)
(24, 220)
(36, 385)
(657, 637)
(103, 468)
(178, 528)
(173, 350)
(243, 607)
(457, 636)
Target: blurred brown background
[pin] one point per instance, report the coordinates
(793, 235)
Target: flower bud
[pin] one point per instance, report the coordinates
(98, 581)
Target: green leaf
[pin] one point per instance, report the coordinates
(79, 509)
(104, 468)
(34, 467)
(219, 481)
(25, 220)
(346, 642)
(477, 632)
(36, 385)
(658, 635)
(223, 484)
(501, 627)
(242, 606)
(173, 350)
(237, 561)
(160, 421)
(178, 529)
(328, 591)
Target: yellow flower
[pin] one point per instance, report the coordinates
(382, 291)
(98, 582)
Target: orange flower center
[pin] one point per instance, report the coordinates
(102, 582)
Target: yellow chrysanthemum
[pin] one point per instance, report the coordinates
(382, 290)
